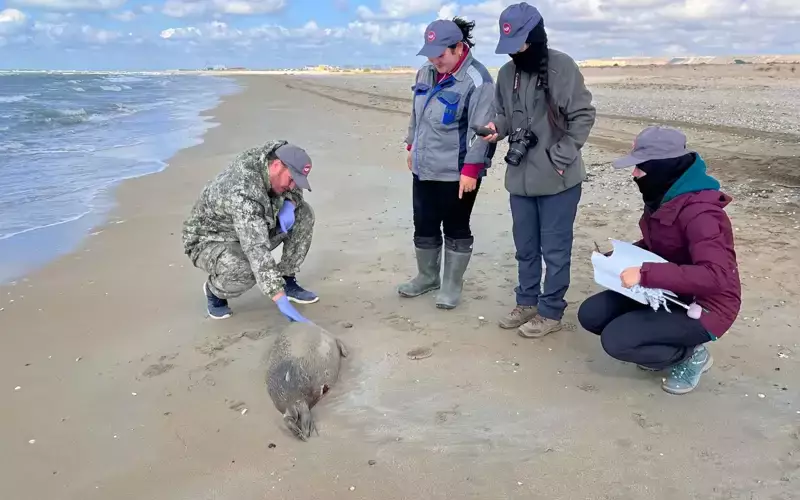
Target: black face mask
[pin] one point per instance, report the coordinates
(531, 58)
(661, 175)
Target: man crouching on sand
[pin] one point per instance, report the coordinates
(241, 216)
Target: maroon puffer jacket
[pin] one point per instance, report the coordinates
(693, 232)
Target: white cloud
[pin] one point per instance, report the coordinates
(196, 8)
(70, 4)
(779, 9)
(124, 16)
(72, 33)
(583, 28)
(12, 21)
(393, 32)
(398, 9)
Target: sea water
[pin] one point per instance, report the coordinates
(65, 139)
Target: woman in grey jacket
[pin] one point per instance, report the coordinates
(452, 95)
(544, 108)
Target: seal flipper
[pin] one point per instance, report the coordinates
(342, 348)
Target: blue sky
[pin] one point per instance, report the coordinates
(165, 34)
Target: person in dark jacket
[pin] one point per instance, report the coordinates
(685, 223)
(544, 108)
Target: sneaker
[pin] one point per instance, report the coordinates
(217, 307)
(297, 293)
(518, 317)
(538, 326)
(685, 376)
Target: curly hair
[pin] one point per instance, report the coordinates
(466, 28)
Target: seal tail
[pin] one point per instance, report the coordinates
(300, 421)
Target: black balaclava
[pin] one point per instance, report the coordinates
(530, 59)
(661, 175)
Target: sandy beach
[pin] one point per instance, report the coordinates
(117, 386)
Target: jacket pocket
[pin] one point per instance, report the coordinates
(449, 100)
(420, 89)
(554, 165)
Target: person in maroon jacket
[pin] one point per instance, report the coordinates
(685, 223)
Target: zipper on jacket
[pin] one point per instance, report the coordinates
(436, 88)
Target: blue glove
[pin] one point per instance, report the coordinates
(286, 216)
(289, 311)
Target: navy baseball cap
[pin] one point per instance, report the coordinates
(654, 143)
(298, 162)
(516, 21)
(439, 35)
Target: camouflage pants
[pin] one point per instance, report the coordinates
(229, 270)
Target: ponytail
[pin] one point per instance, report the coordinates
(538, 36)
(466, 28)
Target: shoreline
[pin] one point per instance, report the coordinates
(29, 250)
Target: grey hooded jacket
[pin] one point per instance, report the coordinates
(440, 128)
(537, 173)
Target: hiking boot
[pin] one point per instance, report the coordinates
(685, 376)
(455, 264)
(429, 265)
(217, 307)
(297, 293)
(518, 317)
(538, 326)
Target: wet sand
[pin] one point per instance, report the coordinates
(131, 392)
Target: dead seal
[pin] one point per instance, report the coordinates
(303, 365)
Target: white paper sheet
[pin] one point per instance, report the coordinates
(607, 272)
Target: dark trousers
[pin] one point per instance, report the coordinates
(437, 206)
(543, 227)
(633, 332)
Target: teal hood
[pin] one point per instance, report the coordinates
(693, 180)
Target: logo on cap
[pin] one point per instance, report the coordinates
(431, 36)
(306, 169)
(506, 28)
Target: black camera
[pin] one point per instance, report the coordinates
(518, 144)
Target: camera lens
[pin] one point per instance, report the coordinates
(514, 156)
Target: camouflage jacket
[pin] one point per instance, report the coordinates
(237, 206)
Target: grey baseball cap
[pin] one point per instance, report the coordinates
(654, 143)
(298, 162)
(516, 21)
(439, 35)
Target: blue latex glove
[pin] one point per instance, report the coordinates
(289, 311)
(286, 216)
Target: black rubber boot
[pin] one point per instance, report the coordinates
(429, 265)
(457, 254)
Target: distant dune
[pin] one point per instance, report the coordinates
(690, 60)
